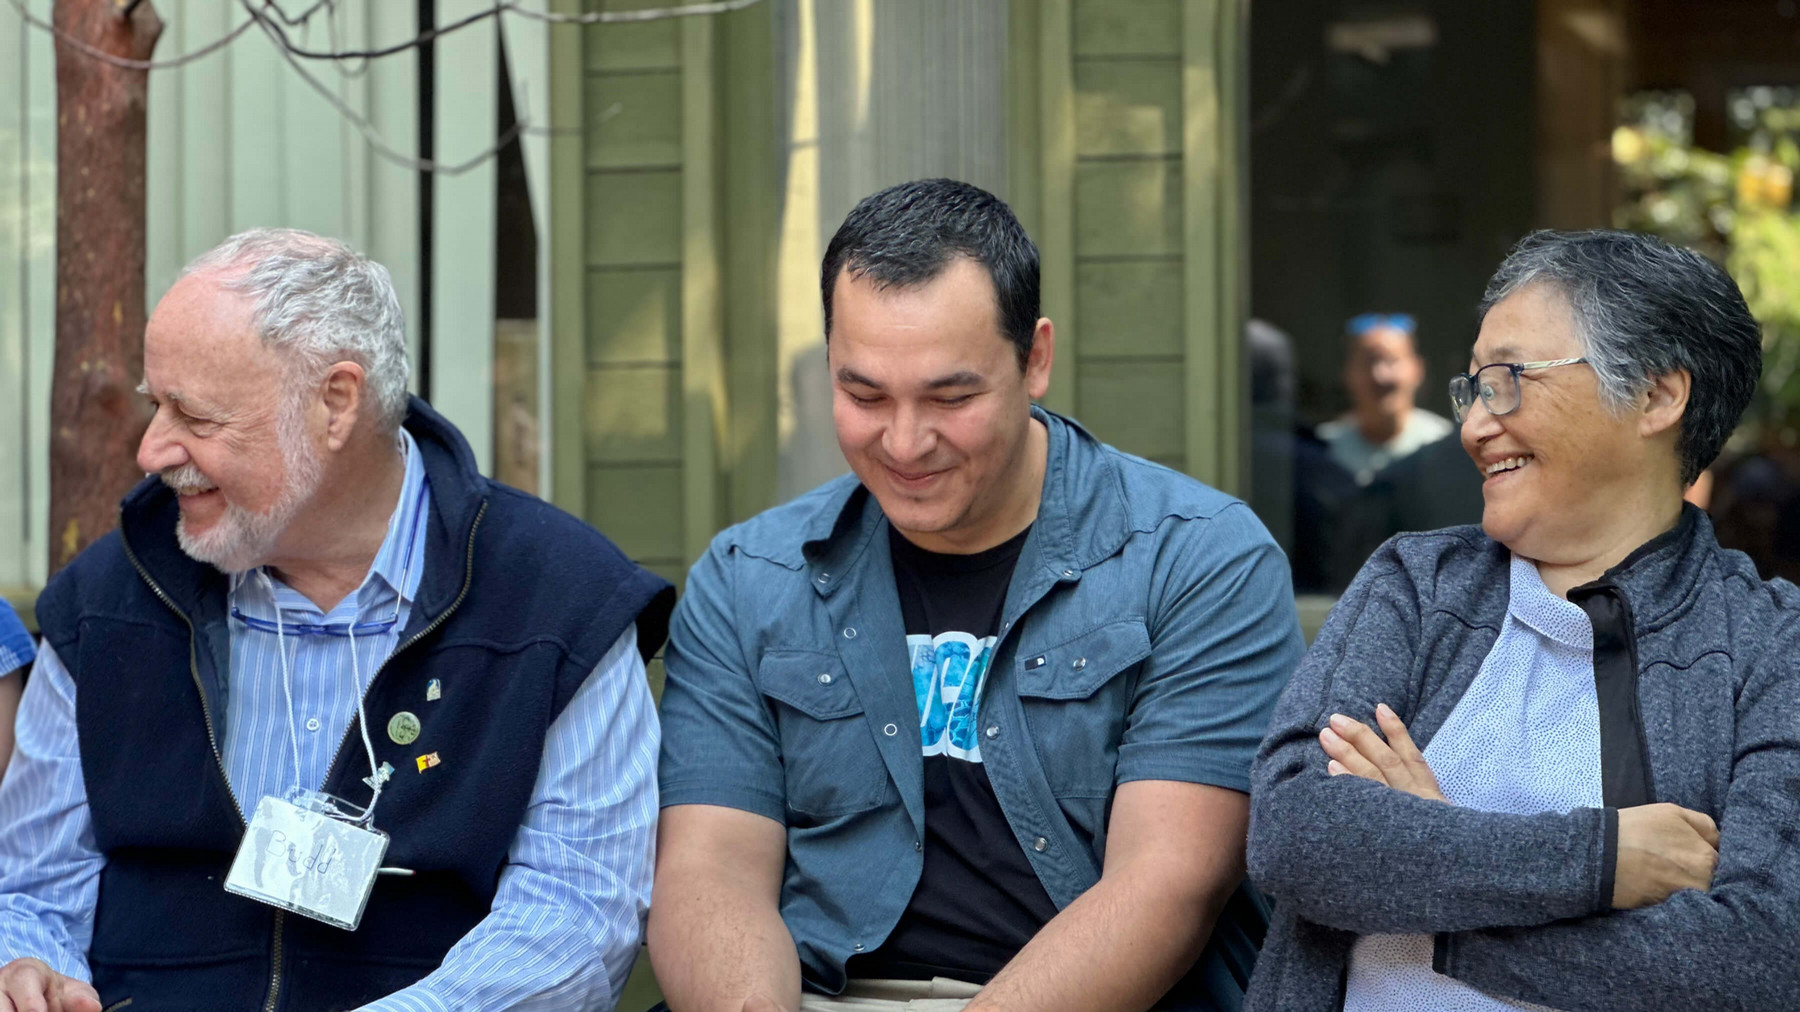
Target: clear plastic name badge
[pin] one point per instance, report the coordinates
(309, 861)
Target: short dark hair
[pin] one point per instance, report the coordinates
(1644, 308)
(906, 235)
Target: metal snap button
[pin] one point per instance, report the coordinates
(824, 577)
(859, 947)
(891, 730)
(1068, 574)
(918, 845)
(993, 731)
(1040, 844)
(825, 679)
(1080, 662)
(849, 632)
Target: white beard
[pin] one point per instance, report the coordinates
(242, 539)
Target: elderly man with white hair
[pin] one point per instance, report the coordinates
(331, 720)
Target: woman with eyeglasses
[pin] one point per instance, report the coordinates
(1553, 760)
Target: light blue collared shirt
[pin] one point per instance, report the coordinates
(568, 915)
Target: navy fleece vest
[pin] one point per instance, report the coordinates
(518, 603)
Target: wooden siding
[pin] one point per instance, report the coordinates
(1137, 162)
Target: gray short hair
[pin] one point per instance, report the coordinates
(323, 301)
(1645, 308)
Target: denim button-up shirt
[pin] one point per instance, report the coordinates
(1146, 634)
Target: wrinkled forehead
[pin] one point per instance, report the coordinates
(202, 336)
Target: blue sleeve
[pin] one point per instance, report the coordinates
(49, 865)
(16, 645)
(720, 744)
(1223, 638)
(568, 916)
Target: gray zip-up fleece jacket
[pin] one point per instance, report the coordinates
(1697, 663)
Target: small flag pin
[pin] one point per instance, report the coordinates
(428, 761)
(434, 691)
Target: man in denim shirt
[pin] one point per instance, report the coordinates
(971, 727)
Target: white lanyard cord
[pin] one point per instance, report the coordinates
(376, 782)
(362, 716)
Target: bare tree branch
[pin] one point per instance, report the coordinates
(373, 136)
(119, 61)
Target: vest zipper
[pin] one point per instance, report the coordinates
(193, 669)
(275, 962)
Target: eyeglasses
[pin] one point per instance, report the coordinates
(1499, 390)
(1361, 324)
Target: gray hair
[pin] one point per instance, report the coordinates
(1644, 308)
(324, 302)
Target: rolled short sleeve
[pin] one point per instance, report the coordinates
(16, 645)
(1224, 637)
(720, 744)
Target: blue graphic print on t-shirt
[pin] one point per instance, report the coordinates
(948, 671)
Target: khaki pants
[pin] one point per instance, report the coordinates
(938, 995)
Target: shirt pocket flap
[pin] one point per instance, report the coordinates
(1076, 668)
(813, 683)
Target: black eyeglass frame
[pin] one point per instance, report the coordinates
(1471, 382)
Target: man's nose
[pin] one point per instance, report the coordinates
(909, 436)
(159, 450)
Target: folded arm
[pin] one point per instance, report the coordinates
(1728, 947)
(1354, 854)
(566, 920)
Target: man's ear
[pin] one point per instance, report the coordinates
(1041, 358)
(346, 402)
(1665, 402)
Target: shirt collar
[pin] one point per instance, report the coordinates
(1534, 605)
(399, 564)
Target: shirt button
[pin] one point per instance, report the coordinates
(918, 846)
(993, 731)
(824, 577)
(1080, 662)
(825, 679)
(312, 724)
(891, 730)
(1039, 844)
(849, 632)
(1068, 574)
(858, 946)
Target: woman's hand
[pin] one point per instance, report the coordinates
(1356, 749)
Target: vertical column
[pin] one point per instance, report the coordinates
(1056, 241)
(1212, 151)
(702, 318)
(564, 235)
(462, 289)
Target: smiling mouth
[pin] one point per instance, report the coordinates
(1510, 464)
(912, 479)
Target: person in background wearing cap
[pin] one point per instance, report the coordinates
(1382, 371)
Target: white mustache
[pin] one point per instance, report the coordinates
(186, 480)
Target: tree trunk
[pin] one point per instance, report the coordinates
(95, 417)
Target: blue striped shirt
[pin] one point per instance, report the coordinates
(568, 915)
(16, 648)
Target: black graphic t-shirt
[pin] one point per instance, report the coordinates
(978, 901)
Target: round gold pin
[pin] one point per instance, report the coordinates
(404, 728)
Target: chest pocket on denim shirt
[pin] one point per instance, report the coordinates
(1076, 695)
(828, 752)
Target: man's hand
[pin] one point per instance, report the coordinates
(1357, 750)
(1662, 849)
(31, 986)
